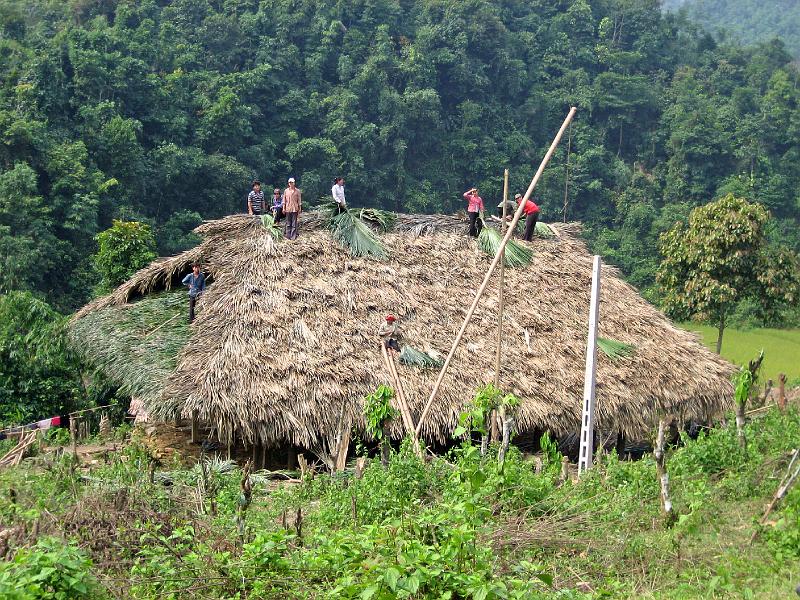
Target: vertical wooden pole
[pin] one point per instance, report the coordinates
(195, 428)
(566, 173)
(587, 421)
(492, 267)
(501, 299)
(782, 391)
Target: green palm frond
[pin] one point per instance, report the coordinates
(268, 221)
(516, 255)
(544, 231)
(614, 349)
(352, 233)
(380, 218)
(414, 358)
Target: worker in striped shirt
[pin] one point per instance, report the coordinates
(255, 200)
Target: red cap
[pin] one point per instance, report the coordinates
(391, 318)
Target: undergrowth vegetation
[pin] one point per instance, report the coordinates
(457, 526)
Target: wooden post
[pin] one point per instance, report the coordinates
(566, 173)
(195, 428)
(587, 421)
(73, 435)
(659, 453)
(782, 392)
(497, 358)
(492, 267)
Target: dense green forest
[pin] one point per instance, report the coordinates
(749, 21)
(163, 112)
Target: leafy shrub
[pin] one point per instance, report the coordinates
(51, 569)
(39, 373)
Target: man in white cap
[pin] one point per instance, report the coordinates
(292, 206)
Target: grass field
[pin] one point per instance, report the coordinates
(781, 347)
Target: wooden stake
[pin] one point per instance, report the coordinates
(782, 392)
(566, 173)
(587, 420)
(492, 267)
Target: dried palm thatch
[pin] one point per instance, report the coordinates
(283, 348)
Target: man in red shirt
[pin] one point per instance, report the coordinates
(474, 209)
(531, 212)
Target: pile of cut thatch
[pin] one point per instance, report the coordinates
(284, 346)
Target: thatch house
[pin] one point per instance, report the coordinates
(284, 346)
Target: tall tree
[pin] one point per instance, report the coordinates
(721, 258)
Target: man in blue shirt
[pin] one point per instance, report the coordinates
(197, 285)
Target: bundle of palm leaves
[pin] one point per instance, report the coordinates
(268, 221)
(516, 255)
(414, 358)
(380, 218)
(615, 350)
(351, 232)
(544, 231)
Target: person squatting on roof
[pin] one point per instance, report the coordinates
(390, 332)
(531, 212)
(337, 191)
(292, 206)
(474, 208)
(277, 205)
(197, 285)
(255, 200)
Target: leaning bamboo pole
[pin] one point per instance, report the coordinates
(400, 399)
(492, 267)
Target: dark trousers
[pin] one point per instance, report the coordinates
(291, 225)
(530, 225)
(475, 224)
(277, 215)
(391, 344)
(192, 301)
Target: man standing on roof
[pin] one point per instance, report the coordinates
(197, 285)
(337, 191)
(277, 205)
(292, 206)
(389, 332)
(255, 199)
(474, 208)
(531, 212)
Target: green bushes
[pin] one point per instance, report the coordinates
(49, 570)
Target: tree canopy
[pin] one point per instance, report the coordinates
(164, 112)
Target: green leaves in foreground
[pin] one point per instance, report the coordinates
(352, 233)
(614, 349)
(516, 255)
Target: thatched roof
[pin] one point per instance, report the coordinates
(284, 347)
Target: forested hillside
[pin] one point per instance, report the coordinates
(165, 111)
(747, 20)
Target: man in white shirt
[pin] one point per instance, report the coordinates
(337, 191)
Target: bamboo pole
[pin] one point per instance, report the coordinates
(400, 398)
(492, 267)
(501, 299)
